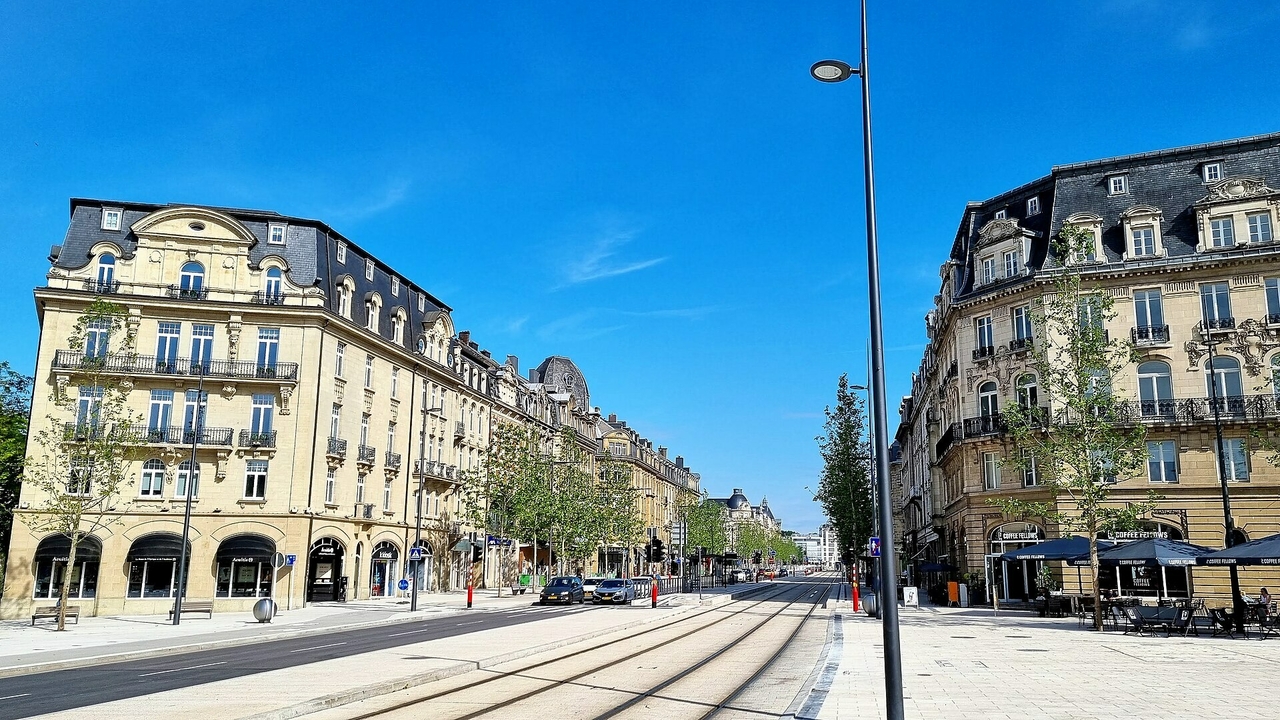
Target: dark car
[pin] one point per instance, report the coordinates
(614, 592)
(565, 590)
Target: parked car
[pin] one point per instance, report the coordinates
(589, 587)
(738, 575)
(562, 590)
(614, 592)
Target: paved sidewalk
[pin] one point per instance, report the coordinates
(24, 648)
(970, 663)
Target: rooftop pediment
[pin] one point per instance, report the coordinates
(193, 223)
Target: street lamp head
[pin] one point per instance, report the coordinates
(832, 71)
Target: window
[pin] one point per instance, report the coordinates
(1090, 311)
(1222, 379)
(395, 382)
(1222, 232)
(372, 309)
(1033, 206)
(360, 488)
(264, 408)
(368, 269)
(275, 234)
(395, 286)
(368, 371)
(364, 430)
(330, 486)
(1028, 392)
(1162, 461)
(1022, 323)
(243, 577)
(191, 279)
(1148, 309)
(990, 471)
(342, 252)
(1144, 241)
(273, 289)
(196, 404)
(152, 578)
(255, 480)
(111, 218)
(185, 474)
(167, 336)
(79, 477)
(1215, 305)
(1155, 389)
(1030, 469)
(988, 404)
(97, 339)
(201, 348)
(337, 359)
(988, 270)
(422, 302)
(89, 407)
(1259, 227)
(397, 328)
(1212, 172)
(335, 420)
(982, 329)
(1273, 300)
(391, 437)
(1236, 457)
(268, 351)
(1002, 213)
(344, 300)
(161, 414)
(1118, 184)
(106, 271)
(1105, 465)
(1012, 264)
(386, 496)
(151, 483)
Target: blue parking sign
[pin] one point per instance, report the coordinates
(290, 559)
(874, 545)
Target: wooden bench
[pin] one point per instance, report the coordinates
(51, 611)
(195, 606)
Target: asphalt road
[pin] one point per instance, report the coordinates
(27, 695)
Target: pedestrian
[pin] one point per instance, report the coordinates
(1264, 598)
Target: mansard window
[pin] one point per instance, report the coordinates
(368, 269)
(275, 234)
(1001, 214)
(1259, 227)
(372, 309)
(1212, 172)
(1033, 206)
(1144, 241)
(422, 302)
(395, 287)
(342, 252)
(988, 270)
(107, 271)
(1118, 185)
(397, 326)
(1222, 232)
(111, 218)
(1012, 263)
(346, 289)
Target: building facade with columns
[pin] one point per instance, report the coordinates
(329, 398)
(1184, 240)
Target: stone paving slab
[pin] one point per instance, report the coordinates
(971, 663)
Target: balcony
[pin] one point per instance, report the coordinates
(219, 437)
(949, 438)
(82, 431)
(337, 447)
(365, 454)
(129, 364)
(1150, 334)
(363, 511)
(262, 297)
(434, 469)
(109, 287)
(459, 429)
(392, 460)
(1222, 323)
(1021, 344)
(984, 352)
(181, 293)
(1273, 318)
(248, 438)
(980, 426)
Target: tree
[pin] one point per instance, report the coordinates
(80, 466)
(492, 495)
(15, 412)
(617, 509)
(706, 526)
(1082, 444)
(844, 489)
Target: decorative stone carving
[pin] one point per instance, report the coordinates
(221, 467)
(286, 393)
(233, 340)
(131, 329)
(1237, 188)
(339, 390)
(60, 385)
(228, 391)
(1179, 287)
(1246, 280)
(1194, 353)
(1251, 340)
(998, 230)
(126, 385)
(368, 401)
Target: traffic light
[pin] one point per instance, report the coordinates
(659, 552)
(648, 551)
(477, 553)
(756, 557)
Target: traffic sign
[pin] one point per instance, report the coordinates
(403, 584)
(415, 553)
(874, 546)
(290, 560)
(773, 553)
(277, 560)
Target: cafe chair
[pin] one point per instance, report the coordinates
(1268, 623)
(1137, 624)
(1223, 624)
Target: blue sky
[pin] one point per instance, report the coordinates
(658, 191)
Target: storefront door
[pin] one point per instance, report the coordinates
(325, 570)
(383, 580)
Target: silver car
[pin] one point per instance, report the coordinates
(614, 592)
(589, 587)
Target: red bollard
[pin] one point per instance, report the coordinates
(855, 597)
(655, 594)
(470, 593)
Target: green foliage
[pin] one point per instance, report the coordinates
(845, 487)
(15, 412)
(1079, 447)
(617, 508)
(706, 526)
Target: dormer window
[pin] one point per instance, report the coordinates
(368, 269)
(1222, 232)
(1091, 250)
(988, 270)
(1002, 213)
(395, 286)
(1144, 241)
(1259, 227)
(1211, 172)
(111, 218)
(342, 252)
(1033, 206)
(1118, 185)
(422, 302)
(1012, 263)
(275, 234)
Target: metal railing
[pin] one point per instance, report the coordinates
(130, 364)
(1222, 323)
(363, 510)
(83, 431)
(949, 438)
(262, 297)
(173, 435)
(102, 288)
(459, 429)
(985, 351)
(337, 447)
(248, 438)
(366, 454)
(435, 469)
(1020, 344)
(393, 459)
(181, 293)
(1150, 334)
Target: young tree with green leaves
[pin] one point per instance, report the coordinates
(494, 496)
(84, 454)
(707, 526)
(15, 412)
(1081, 445)
(617, 509)
(844, 489)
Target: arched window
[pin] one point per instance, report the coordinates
(372, 308)
(274, 291)
(1275, 375)
(1222, 378)
(1028, 392)
(397, 326)
(184, 472)
(106, 272)
(345, 291)
(151, 483)
(191, 281)
(1155, 389)
(987, 402)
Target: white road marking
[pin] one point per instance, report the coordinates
(472, 622)
(193, 667)
(317, 647)
(10, 697)
(411, 632)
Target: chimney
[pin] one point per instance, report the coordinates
(486, 353)
(613, 417)
(514, 362)
(464, 337)
(679, 461)
(737, 491)
(662, 450)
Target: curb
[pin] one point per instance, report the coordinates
(387, 687)
(73, 663)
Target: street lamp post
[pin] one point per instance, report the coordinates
(197, 420)
(836, 71)
(1237, 602)
(417, 525)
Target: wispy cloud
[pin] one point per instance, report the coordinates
(515, 325)
(601, 259)
(373, 204)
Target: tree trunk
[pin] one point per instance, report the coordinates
(66, 582)
(1093, 568)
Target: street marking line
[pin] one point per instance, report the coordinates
(470, 622)
(10, 697)
(317, 647)
(193, 667)
(409, 632)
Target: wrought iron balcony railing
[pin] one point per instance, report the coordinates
(181, 293)
(249, 438)
(984, 351)
(392, 460)
(129, 364)
(363, 510)
(337, 447)
(262, 297)
(366, 454)
(107, 287)
(1021, 344)
(174, 435)
(434, 469)
(1148, 334)
(1222, 323)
